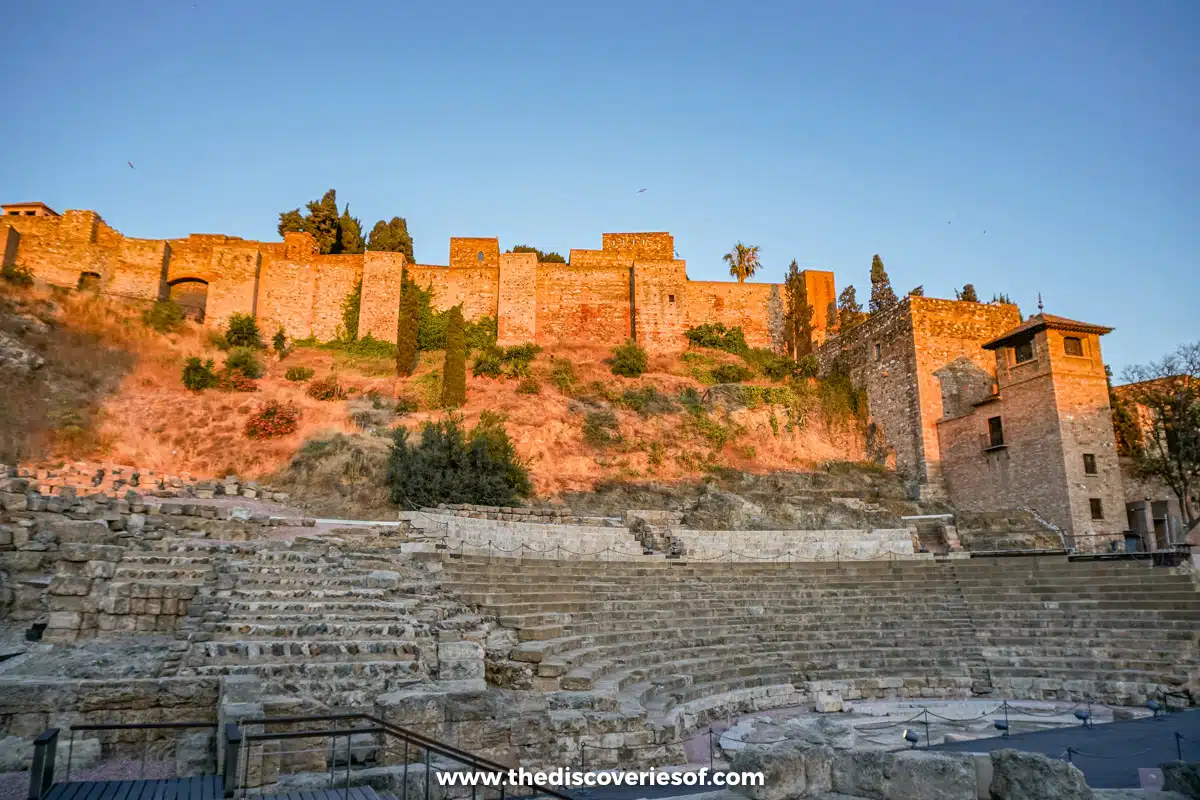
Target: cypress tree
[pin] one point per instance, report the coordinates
(290, 222)
(322, 222)
(454, 370)
(797, 313)
(406, 329)
(349, 234)
(968, 294)
(392, 237)
(882, 295)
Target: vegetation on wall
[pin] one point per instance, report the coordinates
(849, 310)
(718, 337)
(392, 237)
(448, 465)
(798, 314)
(545, 257)
(341, 233)
(351, 306)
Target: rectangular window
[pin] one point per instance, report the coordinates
(995, 432)
(670, 298)
(1097, 508)
(1073, 345)
(878, 351)
(1089, 464)
(1023, 352)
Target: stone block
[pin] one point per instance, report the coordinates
(64, 620)
(929, 776)
(1018, 775)
(827, 702)
(196, 754)
(1182, 777)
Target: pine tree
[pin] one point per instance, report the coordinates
(917, 292)
(544, 257)
(392, 237)
(967, 294)
(349, 234)
(322, 222)
(850, 312)
(882, 295)
(406, 329)
(798, 314)
(291, 222)
(454, 370)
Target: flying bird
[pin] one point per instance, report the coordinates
(639, 191)
(130, 163)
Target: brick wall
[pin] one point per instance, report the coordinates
(516, 302)
(582, 304)
(640, 246)
(379, 310)
(743, 304)
(466, 251)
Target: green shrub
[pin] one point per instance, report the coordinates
(600, 428)
(242, 331)
(506, 362)
(716, 434)
(449, 466)
(717, 336)
(731, 373)
(165, 316)
(217, 340)
(406, 404)
(481, 333)
(299, 374)
(562, 375)
(326, 389)
(808, 367)
(654, 456)
(690, 399)
(647, 401)
(629, 359)
(198, 375)
(244, 361)
(17, 275)
(431, 385)
(769, 364)
(431, 323)
(234, 381)
(279, 341)
(529, 386)
(274, 419)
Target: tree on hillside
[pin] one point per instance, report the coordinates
(743, 261)
(349, 234)
(831, 316)
(1167, 393)
(967, 293)
(454, 370)
(291, 222)
(797, 313)
(850, 311)
(550, 257)
(1127, 430)
(882, 295)
(407, 326)
(917, 292)
(392, 237)
(322, 221)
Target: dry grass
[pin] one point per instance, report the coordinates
(122, 383)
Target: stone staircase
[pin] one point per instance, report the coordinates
(326, 627)
(675, 638)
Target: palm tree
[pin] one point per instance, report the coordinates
(743, 261)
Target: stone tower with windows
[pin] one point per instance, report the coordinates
(1043, 438)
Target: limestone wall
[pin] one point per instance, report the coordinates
(826, 545)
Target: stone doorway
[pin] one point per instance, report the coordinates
(191, 295)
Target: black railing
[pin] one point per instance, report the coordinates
(45, 747)
(417, 749)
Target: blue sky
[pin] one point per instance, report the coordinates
(821, 131)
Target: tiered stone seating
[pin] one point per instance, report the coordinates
(672, 637)
(337, 630)
(524, 539)
(822, 545)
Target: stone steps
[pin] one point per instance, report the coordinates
(311, 651)
(383, 626)
(242, 607)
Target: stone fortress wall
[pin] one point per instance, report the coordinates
(633, 286)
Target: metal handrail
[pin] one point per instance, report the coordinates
(378, 725)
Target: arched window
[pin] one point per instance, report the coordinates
(480, 256)
(89, 282)
(191, 295)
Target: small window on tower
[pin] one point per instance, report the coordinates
(1097, 508)
(878, 351)
(480, 256)
(670, 298)
(1089, 464)
(1073, 345)
(1023, 352)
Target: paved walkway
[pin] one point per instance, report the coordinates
(1108, 754)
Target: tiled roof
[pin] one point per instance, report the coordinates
(1040, 322)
